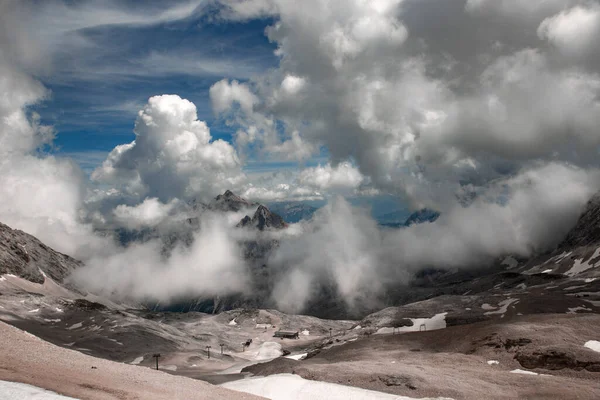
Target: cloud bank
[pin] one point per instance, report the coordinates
(485, 110)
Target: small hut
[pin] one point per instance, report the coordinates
(287, 334)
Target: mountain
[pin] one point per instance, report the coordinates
(421, 216)
(263, 219)
(397, 219)
(293, 212)
(25, 256)
(229, 201)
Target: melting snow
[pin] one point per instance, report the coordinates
(306, 332)
(58, 309)
(36, 310)
(293, 387)
(268, 351)
(581, 266)
(503, 307)
(493, 362)
(75, 326)
(520, 371)
(436, 322)
(137, 360)
(297, 357)
(232, 322)
(547, 271)
(590, 280)
(574, 310)
(14, 390)
(593, 345)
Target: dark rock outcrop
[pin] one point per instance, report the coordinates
(263, 219)
(23, 255)
(229, 201)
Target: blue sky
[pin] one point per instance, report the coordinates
(96, 92)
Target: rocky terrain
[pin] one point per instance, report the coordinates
(517, 329)
(23, 255)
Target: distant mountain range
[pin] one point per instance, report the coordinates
(293, 212)
(418, 217)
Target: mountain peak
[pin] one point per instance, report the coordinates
(229, 201)
(263, 219)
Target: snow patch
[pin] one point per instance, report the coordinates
(268, 351)
(486, 306)
(297, 357)
(436, 322)
(574, 310)
(232, 322)
(590, 280)
(293, 387)
(593, 345)
(493, 362)
(548, 271)
(580, 266)
(58, 309)
(14, 390)
(75, 326)
(523, 372)
(34, 311)
(306, 332)
(503, 307)
(137, 361)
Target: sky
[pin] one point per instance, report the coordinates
(119, 113)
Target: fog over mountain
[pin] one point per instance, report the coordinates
(495, 126)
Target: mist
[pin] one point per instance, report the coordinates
(497, 130)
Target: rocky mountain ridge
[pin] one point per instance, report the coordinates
(23, 255)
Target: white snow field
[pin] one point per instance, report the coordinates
(14, 390)
(294, 387)
(593, 345)
(438, 321)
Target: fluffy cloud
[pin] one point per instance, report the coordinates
(148, 213)
(344, 176)
(172, 156)
(421, 112)
(523, 215)
(574, 31)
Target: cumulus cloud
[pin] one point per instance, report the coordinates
(522, 215)
(148, 213)
(504, 111)
(344, 176)
(173, 155)
(574, 31)
(211, 266)
(417, 108)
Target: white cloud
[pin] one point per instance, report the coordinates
(223, 95)
(148, 213)
(173, 155)
(574, 31)
(343, 176)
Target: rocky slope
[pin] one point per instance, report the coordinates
(263, 219)
(25, 256)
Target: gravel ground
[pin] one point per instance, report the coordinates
(453, 362)
(28, 359)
